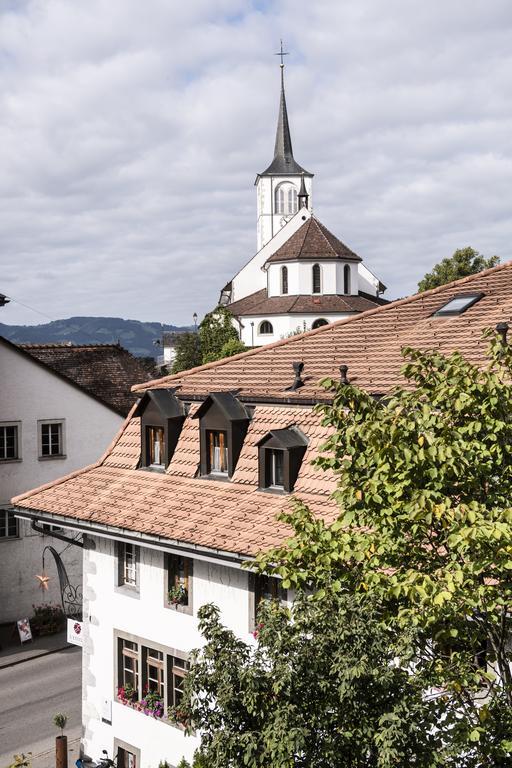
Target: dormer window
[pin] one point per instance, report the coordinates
(162, 416)
(223, 423)
(280, 457)
(156, 451)
(217, 458)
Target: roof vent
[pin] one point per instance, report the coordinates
(298, 367)
(343, 374)
(502, 330)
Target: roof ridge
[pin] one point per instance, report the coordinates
(306, 225)
(321, 228)
(326, 328)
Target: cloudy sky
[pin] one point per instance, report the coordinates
(131, 133)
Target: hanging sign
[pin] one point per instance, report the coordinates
(24, 630)
(75, 632)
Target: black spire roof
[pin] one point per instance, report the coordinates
(283, 163)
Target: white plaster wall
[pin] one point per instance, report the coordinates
(300, 278)
(269, 222)
(31, 393)
(282, 326)
(251, 278)
(107, 608)
(368, 282)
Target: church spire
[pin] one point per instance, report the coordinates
(283, 163)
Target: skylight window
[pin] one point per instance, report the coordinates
(458, 304)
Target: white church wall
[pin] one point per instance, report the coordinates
(251, 278)
(142, 614)
(268, 221)
(282, 326)
(367, 280)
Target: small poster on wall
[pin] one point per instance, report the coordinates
(75, 636)
(24, 630)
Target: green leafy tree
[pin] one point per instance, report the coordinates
(232, 347)
(215, 330)
(188, 352)
(425, 489)
(321, 688)
(464, 262)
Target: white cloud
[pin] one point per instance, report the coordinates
(131, 133)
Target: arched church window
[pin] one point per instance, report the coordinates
(319, 322)
(346, 279)
(284, 280)
(265, 327)
(317, 283)
(285, 198)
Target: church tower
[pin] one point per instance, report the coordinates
(279, 187)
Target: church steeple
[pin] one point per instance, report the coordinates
(284, 163)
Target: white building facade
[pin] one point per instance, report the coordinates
(267, 306)
(48, 428)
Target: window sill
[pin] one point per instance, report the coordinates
(10, 538)
(135, 706)
(54, 456)
(277, 491)
(154, 468)
(127, 589)
(186, 609)
(223, 478)
(10, 461)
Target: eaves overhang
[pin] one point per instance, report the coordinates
(114, 533)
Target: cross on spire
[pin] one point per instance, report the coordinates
(282, 53)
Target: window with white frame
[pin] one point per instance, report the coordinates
(8, 525)
(51, 439)
(284, 280)
(316, 279)
(9, 441)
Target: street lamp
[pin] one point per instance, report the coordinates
(252, 333)
(195, 321)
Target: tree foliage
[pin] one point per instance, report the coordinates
(232, 347)
(425, 489)
(464, 262)
(321, 688)
(188, 352)
(215, 330)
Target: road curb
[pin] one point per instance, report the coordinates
(35, 656)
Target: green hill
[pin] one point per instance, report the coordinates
(136, 336)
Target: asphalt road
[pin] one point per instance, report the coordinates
(30, 694)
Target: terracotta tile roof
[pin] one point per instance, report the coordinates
(369, 343)
(313, 241)
(231, 516)
(235, 516)
(258, 304)
(106, 371)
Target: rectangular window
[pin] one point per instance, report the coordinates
(128, 677)
(154, 672)
(126, 759)
(127, 564)
(179, 571)
(51, 439)
(275, 459)
(264, 588)
(177, 670)
(217, 452)
(156, 453)
(9, 442)
(8, 525)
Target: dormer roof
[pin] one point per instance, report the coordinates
(313, 242)
(230, 406)
(166, 402)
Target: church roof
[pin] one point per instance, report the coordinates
(284, 163)
(313, 241)
(258, 304)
